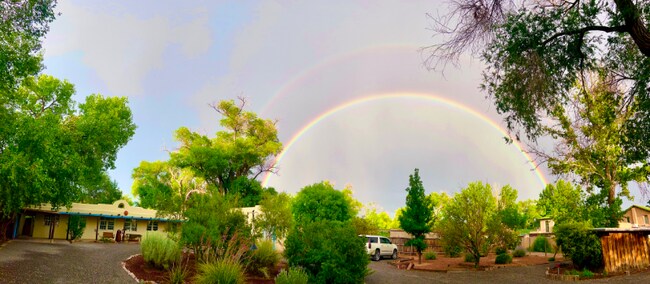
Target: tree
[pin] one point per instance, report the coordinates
(102, 191)
(437, 202)
(245, 148)
(276, 218)
(563, 202)
(468, 218)
(165, 187)
(323, 239)
(50, 150)
(416, 217)
(320, 201)
(590, 142)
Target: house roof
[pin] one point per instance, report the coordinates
(119, 209)
(646, 208)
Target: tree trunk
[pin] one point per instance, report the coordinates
(634, 25)
(477, 259)
(419, 257)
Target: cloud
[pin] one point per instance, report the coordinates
(123, 48)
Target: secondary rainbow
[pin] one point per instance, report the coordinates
(421, 96)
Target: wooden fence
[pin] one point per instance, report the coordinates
(432, 245)
(624, 251)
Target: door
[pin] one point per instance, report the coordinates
(28, 227)
(385, 246)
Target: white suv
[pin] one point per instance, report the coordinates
(379, 246)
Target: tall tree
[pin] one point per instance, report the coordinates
(244, 148)
(416, 217)
(276, 218)
(562, 201)
(50, 150)
(102, 191)
(469, 217)
(590, 142)
(437, 202)
(321, 201)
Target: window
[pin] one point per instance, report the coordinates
(645, 218)
(152, 226)
(121, 205)
(106, 223)
(385, 241)
(372, 240)
(50, 218)
(130, 225)
(627, 218)
(547, 226)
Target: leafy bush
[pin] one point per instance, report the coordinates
(160, 251)
(294, 275)
(469, 258)
(551, 259)
(586, 274)
(77, 224)
(519, 253)
(503, 258)
(501, 250)
(222, 271)
(329, 251)
(541, 244)
(451, 249)
(580, 244)
(430, 255)
(263, 259)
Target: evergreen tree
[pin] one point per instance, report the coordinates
(416, 216)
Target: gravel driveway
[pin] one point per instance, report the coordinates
(23, 261)
(388, 274)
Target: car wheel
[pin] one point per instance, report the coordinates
(377, 256)
(394, 256)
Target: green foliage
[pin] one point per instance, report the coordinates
(500, 250)
(213, 227)
(437, 202)
(580, 244)
(319, 202)
(451, 248)
(541, 244)
(519, 253)
(503, 258)
(416, 217)
(76, 225)
(101, 191)
(293, 275)
(585, 273)
(470, 258)
(222, 271)
(160, 251)
(378, 220)
(276, 218)
(430, 255)
(263, 259)
(51, 150)
(363, 226)
(471, 229)
(329, 250)
(563, 202)
(177, 274)
(241, 150)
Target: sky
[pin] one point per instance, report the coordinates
(344, 79)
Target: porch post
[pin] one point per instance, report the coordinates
(16, 225)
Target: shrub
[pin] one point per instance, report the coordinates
(503, 258)
(580, 244)
(519, 253)
(451, 249)
(76, 225)
(501, 250)
(469, 258)
(329, 251)
(541, 244)
(586, 274)
(295, 275)
(551, 259)
(177, 275)
(263, 259)
(222, 271)
(159, 251)
(430, 255)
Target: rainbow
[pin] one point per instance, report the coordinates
(421, 96)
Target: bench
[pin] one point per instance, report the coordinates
(108, 235)
(133, 237)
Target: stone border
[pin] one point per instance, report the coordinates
(561, 277)
(129, 272)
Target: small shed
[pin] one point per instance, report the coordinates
(625, 249)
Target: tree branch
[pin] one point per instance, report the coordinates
(585, 30)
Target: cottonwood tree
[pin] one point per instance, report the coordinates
(246, 147)
(276, 218)
(51, 150)
(562, 201)
(416, 217)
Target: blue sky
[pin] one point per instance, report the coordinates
(292, 60)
